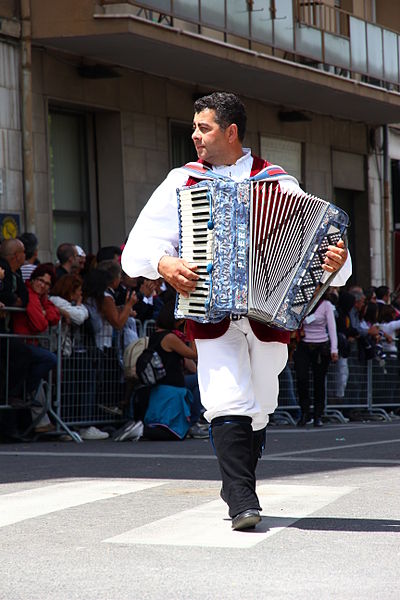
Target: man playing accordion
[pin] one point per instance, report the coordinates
(239, 359)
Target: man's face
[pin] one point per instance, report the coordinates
(359, 304)
(17, 259)
(211, 142)
(75, 262)
(81, 262)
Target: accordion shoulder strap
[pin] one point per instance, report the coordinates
(270, 172)
(202, 171)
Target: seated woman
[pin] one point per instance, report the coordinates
(39, 316)
(116, 315)
(67, 296)
(106, 318)
(78, 385)
(177, 356)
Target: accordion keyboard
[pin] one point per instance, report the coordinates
(196, 245)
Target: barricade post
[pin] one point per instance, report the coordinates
(44, 393)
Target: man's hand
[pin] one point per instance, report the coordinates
(178, 273)
(335, 257)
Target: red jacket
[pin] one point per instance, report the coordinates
(263, 332)
(40, 314)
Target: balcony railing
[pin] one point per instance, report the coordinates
(307, 31)
(315, 13)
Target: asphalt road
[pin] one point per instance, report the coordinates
(143, 520)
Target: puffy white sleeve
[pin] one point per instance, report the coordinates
(156, 231)
(344, 273)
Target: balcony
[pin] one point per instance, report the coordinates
(299, 53)
(329, 38)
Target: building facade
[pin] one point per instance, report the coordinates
(96, 106)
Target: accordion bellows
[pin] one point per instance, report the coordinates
(259, 250)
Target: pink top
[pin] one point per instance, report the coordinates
(322, 327)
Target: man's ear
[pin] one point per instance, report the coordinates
(232, 132)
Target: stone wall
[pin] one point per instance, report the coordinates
(11, 199)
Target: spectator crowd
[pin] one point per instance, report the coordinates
(82, 313)
(98, 310)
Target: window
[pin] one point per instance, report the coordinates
(182, 147)
(285, 153)
(69, 178)
(396, 193)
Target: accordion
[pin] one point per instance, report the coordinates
(259, 250)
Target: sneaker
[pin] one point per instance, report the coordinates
(92, 433)
(197, 433)
(132, 431)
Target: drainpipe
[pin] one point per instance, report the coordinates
(26, 114)
(386, 208)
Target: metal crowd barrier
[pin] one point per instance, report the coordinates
(13, 388)
(87, 386)
(372, 391)
(92, 388)
(149, 327)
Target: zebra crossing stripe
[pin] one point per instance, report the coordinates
(208, 525)
(27, 504)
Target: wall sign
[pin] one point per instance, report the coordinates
(9, 225)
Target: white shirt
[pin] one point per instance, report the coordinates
(77, 312)
(156, 231)
(391, 329)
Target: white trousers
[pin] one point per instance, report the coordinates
(238, 374)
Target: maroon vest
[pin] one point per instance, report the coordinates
(263, 332)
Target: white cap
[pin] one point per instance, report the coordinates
(80, 251)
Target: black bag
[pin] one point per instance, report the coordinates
(149, 367)
(343, 345)
(366, 348)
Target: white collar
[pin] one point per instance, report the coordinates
(240, 161)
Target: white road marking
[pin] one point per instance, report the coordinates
(354, 461)
(27, 504)
(207, 525)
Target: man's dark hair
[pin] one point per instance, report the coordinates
(382, 291)
(30, 242)
(108, 253)
(228, 109)
(64, 252)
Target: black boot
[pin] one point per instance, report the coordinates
(259, 440)
(232, 437)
